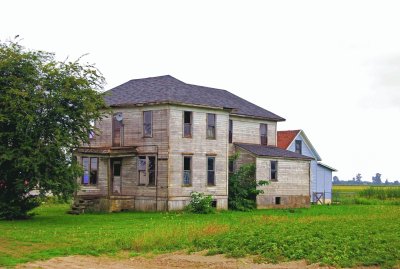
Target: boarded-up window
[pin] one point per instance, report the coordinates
(117, 131)
(187, 170)
(263, 134)
(147, 124)
(147, 169)
(187, 124)
(211, 120)
(90, 170)
(298, 146)
(211, 171)
(274, 171)
(230, 131)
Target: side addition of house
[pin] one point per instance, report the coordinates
(166, 139)
(321, 174)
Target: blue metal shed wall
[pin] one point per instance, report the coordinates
(324, 181)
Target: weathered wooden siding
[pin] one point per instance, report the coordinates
(133, 130)
(292, 184)
(199, 147)
(101, 188)
(244, 157)
(320, 181)
(247, 130)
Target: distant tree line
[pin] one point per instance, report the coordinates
(357, 180)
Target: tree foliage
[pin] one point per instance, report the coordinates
(45, 111)
(243, 188)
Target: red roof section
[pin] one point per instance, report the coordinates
(286, 137)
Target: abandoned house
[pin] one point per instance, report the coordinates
(321, 174)
(167, 138)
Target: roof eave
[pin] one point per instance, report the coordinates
(258, 117)
(305, 158)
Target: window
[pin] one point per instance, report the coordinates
(187, 124)
(211, 126)
(117, 130)
(231, 166)
(187, 170)
(146, 167)
(91, 131)
(211, 171)
(90, 168)
(298, 146)
(152, 170)
(277, 200)
(230, 131)
(274, 171)
(147, 123)
(263, 134)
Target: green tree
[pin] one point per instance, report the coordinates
(46, 107)
(243, 188)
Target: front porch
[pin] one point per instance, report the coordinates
(102, 186)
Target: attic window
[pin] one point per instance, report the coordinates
(298, 146)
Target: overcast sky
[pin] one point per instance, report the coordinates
(331, 68)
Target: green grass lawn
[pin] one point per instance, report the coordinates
(340, 235)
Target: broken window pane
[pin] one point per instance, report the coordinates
(147, 123)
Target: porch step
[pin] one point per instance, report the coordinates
(79, 206)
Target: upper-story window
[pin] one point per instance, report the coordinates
(230, 131)
(263, 134)
(90, 168)
(148, 123)
(274, 171)
(117, 130)
(187, 123)
(91, 131)
(298, 146)
(211, 122)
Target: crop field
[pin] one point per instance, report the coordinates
(367, 195)
(338, 235)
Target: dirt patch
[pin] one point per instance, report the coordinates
(165, 261)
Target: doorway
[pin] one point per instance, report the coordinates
(116, 179)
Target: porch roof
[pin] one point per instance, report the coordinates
(111, 151)
(271, 151)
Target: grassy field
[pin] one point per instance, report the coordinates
(367, 195)
(339, 235)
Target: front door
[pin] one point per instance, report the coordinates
(116, 176)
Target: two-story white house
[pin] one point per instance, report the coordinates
(166, 139)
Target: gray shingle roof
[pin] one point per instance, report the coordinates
(270, 151)
(167, 89)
